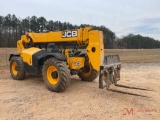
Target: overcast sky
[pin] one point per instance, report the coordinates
(121, 16)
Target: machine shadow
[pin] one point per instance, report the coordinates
(76, 81)
(128, 93)
(131, 87)
(36, 78)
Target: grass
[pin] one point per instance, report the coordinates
(136, 55)
(4, 56)
(126, 55)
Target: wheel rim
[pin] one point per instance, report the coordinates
(52, 75)
(14, 70)
(88, 72)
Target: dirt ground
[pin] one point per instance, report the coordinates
(136, 98)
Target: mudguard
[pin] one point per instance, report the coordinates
(39, 57)
(13, 54)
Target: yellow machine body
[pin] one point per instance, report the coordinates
(27, 55)
(49, 54)
(95, 49)
(76, 62)
(93, 39)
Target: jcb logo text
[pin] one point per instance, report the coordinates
(68, 34)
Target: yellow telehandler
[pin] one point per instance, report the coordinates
(55, 55)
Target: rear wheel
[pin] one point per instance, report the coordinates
(89, 74)
(56, 75)
(17, 68)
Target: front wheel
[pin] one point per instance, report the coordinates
(56, 75)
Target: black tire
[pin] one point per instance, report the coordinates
(17, 71)
(62, 74)
(91, 76)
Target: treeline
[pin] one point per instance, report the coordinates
(12, 27)
(137, 42)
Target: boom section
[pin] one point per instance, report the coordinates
(79, 36)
